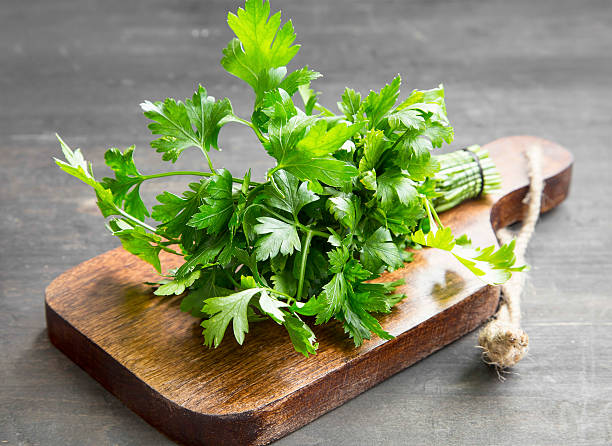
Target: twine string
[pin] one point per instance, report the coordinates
(480, 170)
(502, 340)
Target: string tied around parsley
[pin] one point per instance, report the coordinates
(504, 343)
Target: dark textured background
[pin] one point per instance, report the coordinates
(544, 68)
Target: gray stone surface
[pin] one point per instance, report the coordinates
(523, 67)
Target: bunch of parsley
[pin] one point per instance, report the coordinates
(348, 194)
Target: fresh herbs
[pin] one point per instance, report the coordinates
(347, 195)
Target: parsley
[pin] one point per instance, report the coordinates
(348, 193)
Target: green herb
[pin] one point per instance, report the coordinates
(347, 195)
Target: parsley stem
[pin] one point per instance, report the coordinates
(280, 217)
(437, 218)
(305, 249)
(260, 136)
(431, 209)
(170, 250)
(148, 228)
(272, 290)
(193, 173)
(429, 217)
(256, 189)
(296, 223)
(256, 275)
(210, 164)
(270, 173)
(135, 220)
(169, 174)
(315, 232)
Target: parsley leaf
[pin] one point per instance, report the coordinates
(261, 44)
(125, 187)
(490, 265)
(394, 183)
(415, 157)
(373, 147)
(179, 285)
(402, 219)
(208, 116)
(301, 335)
(429, 100)
(206, 253)
(376, 105)
(327, 170)
(226, 309)
(309, 98)
(284, 282)
(333, 295)
(379, 249)
(175, 212)
(350, 105)
(281, 238)
(234, 307)
(288, 194)
(441, 239)
(346, 208)
(218, 208)
(272, 307)
(321, 140)
(287, 130)
(298, 78)
(195, 123)
(76, 166)
(137, 241)
(358, 323)
(377, 297)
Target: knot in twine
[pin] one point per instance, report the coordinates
(502, 340)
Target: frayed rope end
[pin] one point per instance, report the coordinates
(503, 344)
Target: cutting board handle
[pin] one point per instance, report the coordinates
(508, 154)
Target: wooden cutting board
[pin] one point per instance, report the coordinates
(149, 354)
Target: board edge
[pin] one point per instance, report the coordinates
(261, 426)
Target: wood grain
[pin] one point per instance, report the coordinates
(148, 353)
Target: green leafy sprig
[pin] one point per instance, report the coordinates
(348, 193)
